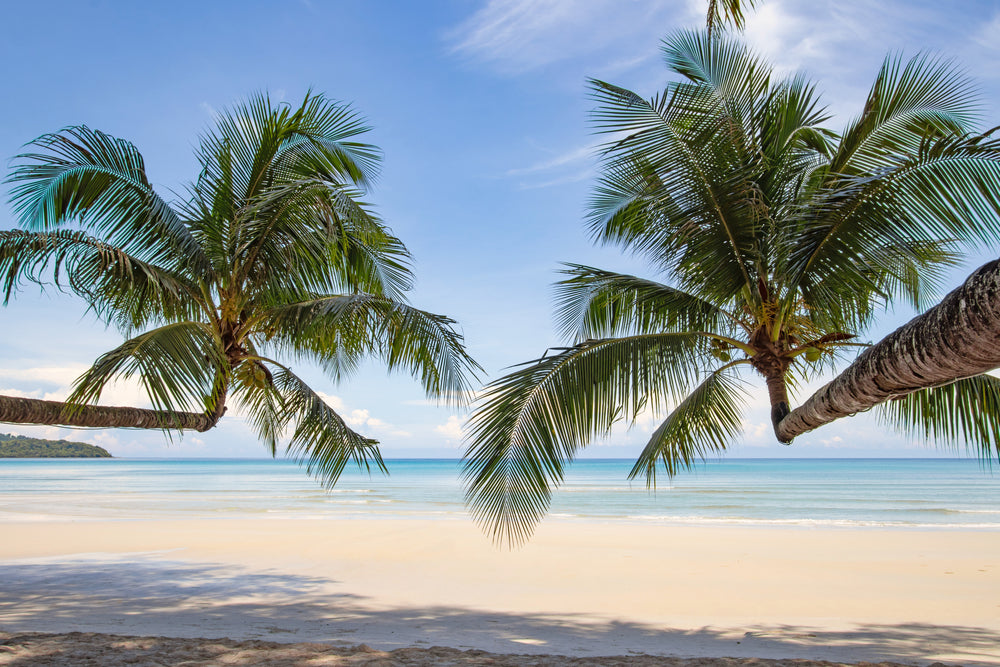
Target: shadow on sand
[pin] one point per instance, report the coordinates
(144, 594)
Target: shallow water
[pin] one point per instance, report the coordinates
(833, 492)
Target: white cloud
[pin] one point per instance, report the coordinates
(60, 381)
(62, 376)
(451, 429)
(362, 420)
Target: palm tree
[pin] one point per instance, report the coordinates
(779, 241)
(269, 254)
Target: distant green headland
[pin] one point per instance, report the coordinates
(23, 447)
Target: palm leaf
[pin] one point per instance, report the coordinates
(721, 11)
(592, 303)
(529, 423)
(339, 331)
(92, 177)
(320, 438)
(178, 365)
(119, 287)
(926, 96)
(705, 422)
(966, 412)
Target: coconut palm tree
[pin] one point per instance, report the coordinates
(776, 241)
(269, 254)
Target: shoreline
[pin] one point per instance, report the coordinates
(577, 588)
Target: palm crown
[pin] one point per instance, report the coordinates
(781, 241)
(270, 253)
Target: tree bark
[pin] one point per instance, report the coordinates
(958, 338)
(35, 411)
(777, 393)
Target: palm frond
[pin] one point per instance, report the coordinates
(897, 226)
(338, 331)
(966, 412)
(119, 287)
(320, 438)
(100, 181)
(705, 422)
(677, 190)
(592, 303)
(529, 423)
(926, 96)
(314, 237)
(178, 365)
(722, 11)
(320, 144)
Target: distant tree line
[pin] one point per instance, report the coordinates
(22, 447)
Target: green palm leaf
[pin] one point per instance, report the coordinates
(178, 365)
(528, 423)
(320, 439)
(592, 303)
(966, 412)
(92, 177)
(339, 331)
(120, 288)
(705, 422)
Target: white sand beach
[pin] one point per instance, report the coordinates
(580, 589)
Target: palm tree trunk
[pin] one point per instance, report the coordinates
(958, 338)
(777, 392)
(35, 411)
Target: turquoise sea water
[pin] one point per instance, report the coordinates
(834, 492)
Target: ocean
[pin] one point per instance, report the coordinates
(899, 493)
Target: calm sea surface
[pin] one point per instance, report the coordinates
(857, 492)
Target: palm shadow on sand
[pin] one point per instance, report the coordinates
(147, 594)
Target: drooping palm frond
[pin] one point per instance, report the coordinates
(120, 288)
(99, 180)
(721, 11)
(705, 422)
(966, 412)
(178, 366)
(259, 401)
(592, 303)
(320, 438)
(529, 423)
(339, 331)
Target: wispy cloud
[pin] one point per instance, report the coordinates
(575, 156)
(571, 166)
(519, 35)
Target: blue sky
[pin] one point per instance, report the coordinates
(481, 109)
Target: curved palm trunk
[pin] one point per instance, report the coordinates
(36, 411)
(777, 393)
(958, 338)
